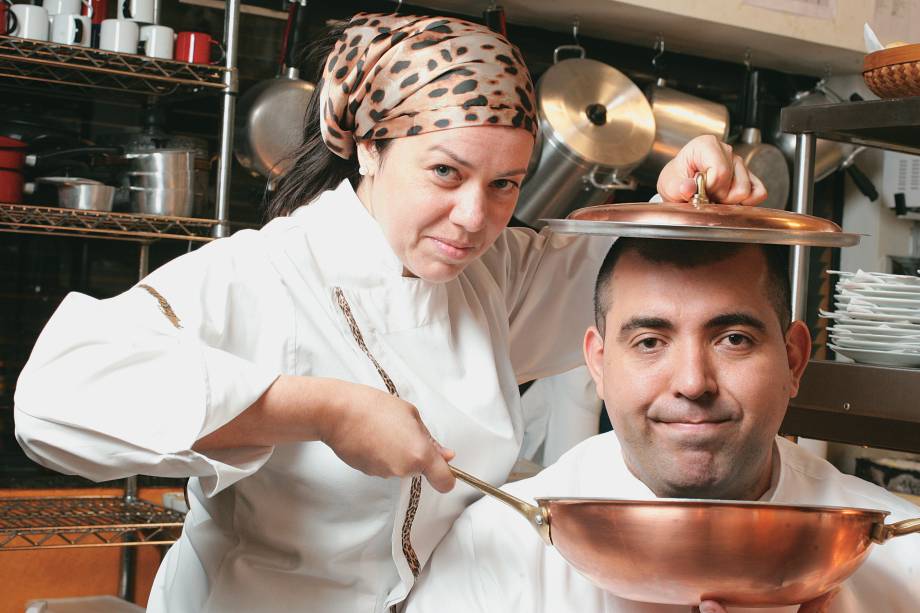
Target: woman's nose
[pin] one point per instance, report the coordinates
(693, 375)
(469, 211)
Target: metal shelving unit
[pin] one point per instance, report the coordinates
(90, 521)
(34, 63)
(851, 403)
(126, 521)
(27, 219)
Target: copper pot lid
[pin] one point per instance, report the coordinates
(704, 221)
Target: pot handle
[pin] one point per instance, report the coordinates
(883, 532)
(577, 48)
(613, 183)
(534, 514)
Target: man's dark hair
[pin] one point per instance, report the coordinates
(691, 254)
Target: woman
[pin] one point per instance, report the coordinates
(287, 370)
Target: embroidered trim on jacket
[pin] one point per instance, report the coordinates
(164, 305)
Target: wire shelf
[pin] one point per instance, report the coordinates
(85, 521)
(31, 63)
(28, 219)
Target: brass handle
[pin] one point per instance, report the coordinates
(700, 197)
(534, 514)
(885, 532)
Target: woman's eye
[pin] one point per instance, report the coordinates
(504, 184)
(443, 171)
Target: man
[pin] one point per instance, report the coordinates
(696, 359)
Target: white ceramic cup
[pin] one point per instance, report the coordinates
(32, 21)
(157, 41)
(118, 35)
(71, 29)
(64, 7)
(136, 10)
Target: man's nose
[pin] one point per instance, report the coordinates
(469, 211)
(694, 376)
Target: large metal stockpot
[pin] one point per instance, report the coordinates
(595, 127)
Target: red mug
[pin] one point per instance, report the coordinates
(195, 48)
(7, 17)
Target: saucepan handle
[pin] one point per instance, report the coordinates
(884, 532)
(534, 514)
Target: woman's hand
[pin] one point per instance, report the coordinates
(728, 181)
(383, 436)
(821, 604)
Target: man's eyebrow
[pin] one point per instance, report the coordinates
(459, 160)
(739, 318)
(637, 323)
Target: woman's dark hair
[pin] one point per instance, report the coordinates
(315, 168)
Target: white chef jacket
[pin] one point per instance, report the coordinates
(127, 385)
(493, 560)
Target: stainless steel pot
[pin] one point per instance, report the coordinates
(764, 160)
(679, 118)
(681, 552)
(77, 193)
(595, 127)
(270, 116)
(161, 182)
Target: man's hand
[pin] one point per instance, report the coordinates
(821, 604)
(728, 180)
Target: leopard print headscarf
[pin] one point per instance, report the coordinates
(400, 75)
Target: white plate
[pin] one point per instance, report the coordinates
(876, 334)
(898, 303)
(877, 327)
(850, 342)
(911, 292)
(860, 307)
(866, 317)
(877, 278)
(884, 358)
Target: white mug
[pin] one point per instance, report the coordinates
(65, 7)
(157, 41)
(71, 29)
(32, 22)
(118, 35)
(136, 10)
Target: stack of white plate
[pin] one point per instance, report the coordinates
(876, 318)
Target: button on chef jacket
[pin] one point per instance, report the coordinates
(493, 560)
(126, 386)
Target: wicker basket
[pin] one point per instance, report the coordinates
(893, 73)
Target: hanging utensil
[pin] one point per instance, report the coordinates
(679, 118)
(682, 551)
(595, 127)
(701, 220)
(271, 114)
(764, 160)
(494, 18)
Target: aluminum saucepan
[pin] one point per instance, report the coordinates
(682, 551)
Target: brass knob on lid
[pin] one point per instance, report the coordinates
(700, 196)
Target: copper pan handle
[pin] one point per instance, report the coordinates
(533, 514)
(883, 532)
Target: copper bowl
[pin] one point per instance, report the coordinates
(679, 551)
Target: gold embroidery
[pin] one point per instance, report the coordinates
(164, 305)
(415, 491)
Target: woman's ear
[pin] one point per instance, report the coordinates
(368, 157)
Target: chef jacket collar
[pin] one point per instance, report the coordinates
(348, 242)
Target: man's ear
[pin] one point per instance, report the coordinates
(594, 358)
(368, 157)
(798, 350)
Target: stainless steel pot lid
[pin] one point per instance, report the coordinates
(595, 112)
(701, 220)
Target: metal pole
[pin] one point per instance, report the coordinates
(803, 188)
(228, 110)
(128, 561)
